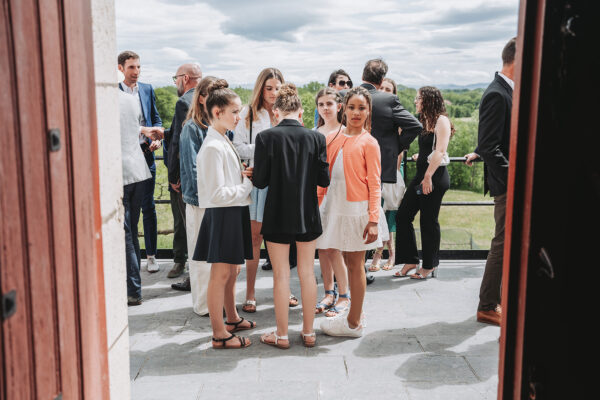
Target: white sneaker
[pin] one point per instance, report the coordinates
(339, 327)
(152, 264)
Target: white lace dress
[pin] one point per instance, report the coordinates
(344, 221)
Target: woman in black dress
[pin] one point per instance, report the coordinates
(291, 160)
(426, 190)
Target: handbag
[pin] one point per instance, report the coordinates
(392, 193)
(445, 159)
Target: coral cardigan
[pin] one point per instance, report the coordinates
(362, 168)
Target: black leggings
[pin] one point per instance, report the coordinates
(429, 206)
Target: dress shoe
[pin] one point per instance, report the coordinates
(152, 265)
(183, 286)
(267, 266)
(176, 271)
(134, 301)
(492, 317)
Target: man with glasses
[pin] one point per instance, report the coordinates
(186, 78)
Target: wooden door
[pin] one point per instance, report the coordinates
(553, 207)
(55, 342)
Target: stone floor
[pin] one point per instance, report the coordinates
(421, 342)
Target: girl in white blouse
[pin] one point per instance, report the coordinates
(224, 239)
(255, 118)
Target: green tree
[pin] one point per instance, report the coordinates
(166, 97)
(245, 94)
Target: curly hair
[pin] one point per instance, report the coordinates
(359, 91)
(432, 106)
(287, 99)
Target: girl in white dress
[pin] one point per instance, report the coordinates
(351, 208)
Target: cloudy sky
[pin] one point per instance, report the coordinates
(435, 42)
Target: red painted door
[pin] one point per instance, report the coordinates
(54, 343)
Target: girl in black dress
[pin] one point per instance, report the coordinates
(426, 190)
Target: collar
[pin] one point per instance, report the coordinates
(212, 132)
(510, 82)
(128, 89)
(368, 86)
(289, 122)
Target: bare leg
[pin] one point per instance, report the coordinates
(252, 265)
(308, 286)
(325, 261)
(219, 275)
(229, 300)
(280, 261)
(355, 261)
(341, 275)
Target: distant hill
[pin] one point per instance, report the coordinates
(451, 86)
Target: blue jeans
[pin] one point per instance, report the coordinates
(132, 202)
(149, 212)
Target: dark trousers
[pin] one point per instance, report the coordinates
(489, 293)
(149, 214)
(179, 236)
(429, 206)
(132, 203)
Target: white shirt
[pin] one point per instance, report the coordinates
(219, 174)
(135, 91)
(510, 82)
(241, 139)
(135, 168)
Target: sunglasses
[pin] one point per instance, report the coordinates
(344, 83)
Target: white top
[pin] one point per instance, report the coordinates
(220, 179)
(135, 90)
(241, 138)
(135, 168)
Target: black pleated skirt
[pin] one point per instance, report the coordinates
(225, 236)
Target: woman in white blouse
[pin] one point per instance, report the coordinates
(256, 117)
(224, 239)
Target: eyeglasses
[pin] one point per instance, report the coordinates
(177, 76)
(344, 83)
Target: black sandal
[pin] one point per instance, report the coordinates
(224, 346)
(237, 328)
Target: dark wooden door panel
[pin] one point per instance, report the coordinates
(59, 169)
(16, 332)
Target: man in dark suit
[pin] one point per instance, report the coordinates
(129, 65)
(387, 116)
(493, 144)
(186, 78)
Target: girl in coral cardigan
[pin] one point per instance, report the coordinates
(350, 208)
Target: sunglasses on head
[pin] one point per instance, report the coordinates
(344, 83)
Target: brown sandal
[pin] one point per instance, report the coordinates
(243, 342)
(237, 328)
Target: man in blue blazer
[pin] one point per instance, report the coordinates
(129, 65)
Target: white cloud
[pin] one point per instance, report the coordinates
(423, 41)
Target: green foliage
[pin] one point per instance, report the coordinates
(245, 94)
(166, 97)
(407, 97)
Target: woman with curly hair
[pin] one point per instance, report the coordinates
(426, 190)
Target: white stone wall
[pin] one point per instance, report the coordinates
(111, 194)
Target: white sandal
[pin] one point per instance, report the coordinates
(308, 335)
(276, 342)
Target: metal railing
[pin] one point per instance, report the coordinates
(472, 254)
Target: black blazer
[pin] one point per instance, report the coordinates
(494, 134)
(387, 116)
(292, 161)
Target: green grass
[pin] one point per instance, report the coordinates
(463, 227)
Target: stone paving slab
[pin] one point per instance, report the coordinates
(421, 342)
